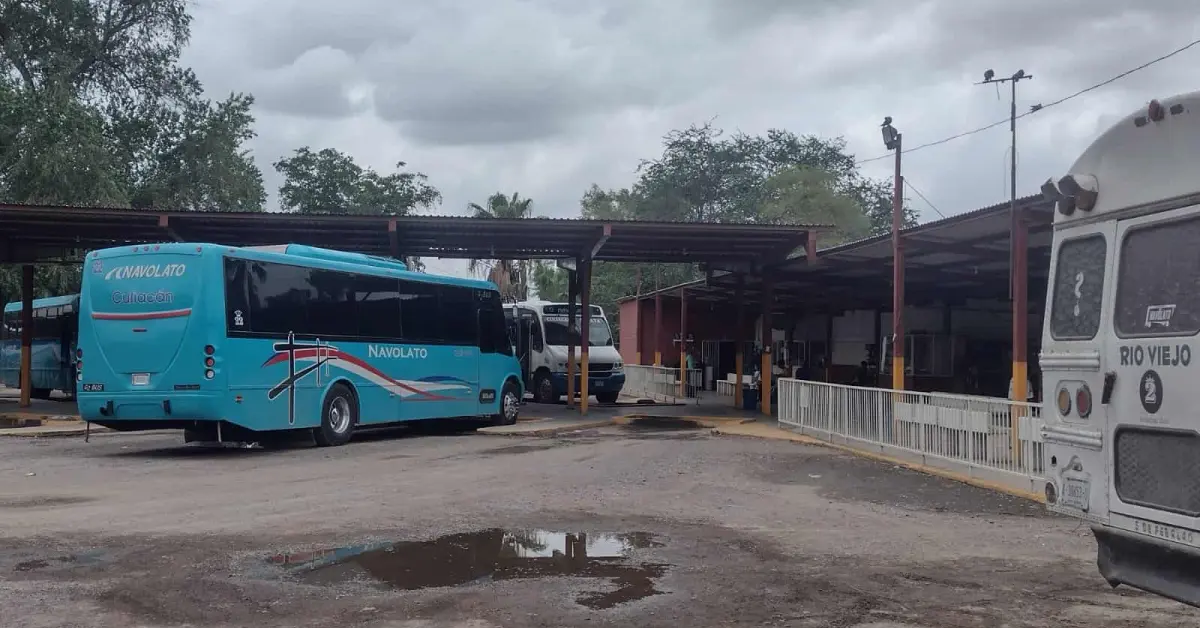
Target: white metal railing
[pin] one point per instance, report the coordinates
(726, 387)
(971, 435)
(661, 383)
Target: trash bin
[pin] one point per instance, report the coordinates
(749, 398)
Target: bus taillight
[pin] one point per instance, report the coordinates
(1083, 401)
(209, 349)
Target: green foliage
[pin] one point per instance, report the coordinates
(811, 194)
(95, 110)
(704, 175)
(510, 276)
(329, 181)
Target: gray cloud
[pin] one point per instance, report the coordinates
(545, 97)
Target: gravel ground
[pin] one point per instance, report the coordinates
(137, 530)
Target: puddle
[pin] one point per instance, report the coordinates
(489, 555)
(663, 423)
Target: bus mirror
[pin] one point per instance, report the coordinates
(1083, 188)
(1050, 191)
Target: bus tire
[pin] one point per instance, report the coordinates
(40, 393)
(607, 397)
(543, 389)
(339, 415)
(510, 404)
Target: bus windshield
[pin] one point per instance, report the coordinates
(598, 332)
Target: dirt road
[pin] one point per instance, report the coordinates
(604, 528)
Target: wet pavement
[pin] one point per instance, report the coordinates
(488, 555)
(637, 525)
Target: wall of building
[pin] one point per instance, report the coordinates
(945, 341)
(630, 323)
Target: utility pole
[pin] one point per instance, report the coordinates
(893, 141)
(1018, 284)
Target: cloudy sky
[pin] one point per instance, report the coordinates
(546, 97)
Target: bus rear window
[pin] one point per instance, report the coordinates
(1078, 288)
(1158, 280)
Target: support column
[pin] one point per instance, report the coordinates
(26, 335)
(739, 336)
(683, 344)
(828, 344)
(572, 312)
(878, 343)
(585, 317)
(768, 305)
(1020, 329)
(657, 329)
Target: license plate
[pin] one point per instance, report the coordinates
(141, 379)
(596, 384)
(93, 388)
(1075, 493)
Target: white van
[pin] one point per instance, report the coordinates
(538, 330)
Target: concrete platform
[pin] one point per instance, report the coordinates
(40, 410)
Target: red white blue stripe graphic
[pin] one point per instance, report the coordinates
(431, 388)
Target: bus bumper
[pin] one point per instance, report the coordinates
(141, 411)
(606, 384)
(1143, 562)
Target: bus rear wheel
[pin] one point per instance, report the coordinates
(339, 415)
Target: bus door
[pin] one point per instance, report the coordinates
(1154, 417)
(528, 338)
(1072, 361)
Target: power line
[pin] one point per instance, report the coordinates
(912, 187)
(1039, 108)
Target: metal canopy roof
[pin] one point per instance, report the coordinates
(31, 232)
(953, 260)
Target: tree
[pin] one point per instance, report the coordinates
(703, 175)
(510, 276)
(801, 195)
(96, 110)
(92, 90)
(329, 181)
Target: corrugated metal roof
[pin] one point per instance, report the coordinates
(968, 251)
(41, 231)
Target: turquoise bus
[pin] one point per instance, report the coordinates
(231, 343)
(55, 327)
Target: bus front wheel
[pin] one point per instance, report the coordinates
(339, 415)
(510, 405)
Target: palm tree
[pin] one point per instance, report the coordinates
(510, 276)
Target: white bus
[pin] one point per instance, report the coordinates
(538, 330)
(1120, 354)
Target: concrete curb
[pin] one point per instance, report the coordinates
(786, 435)
(53, 431)
(703, 421)
(35, 418)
